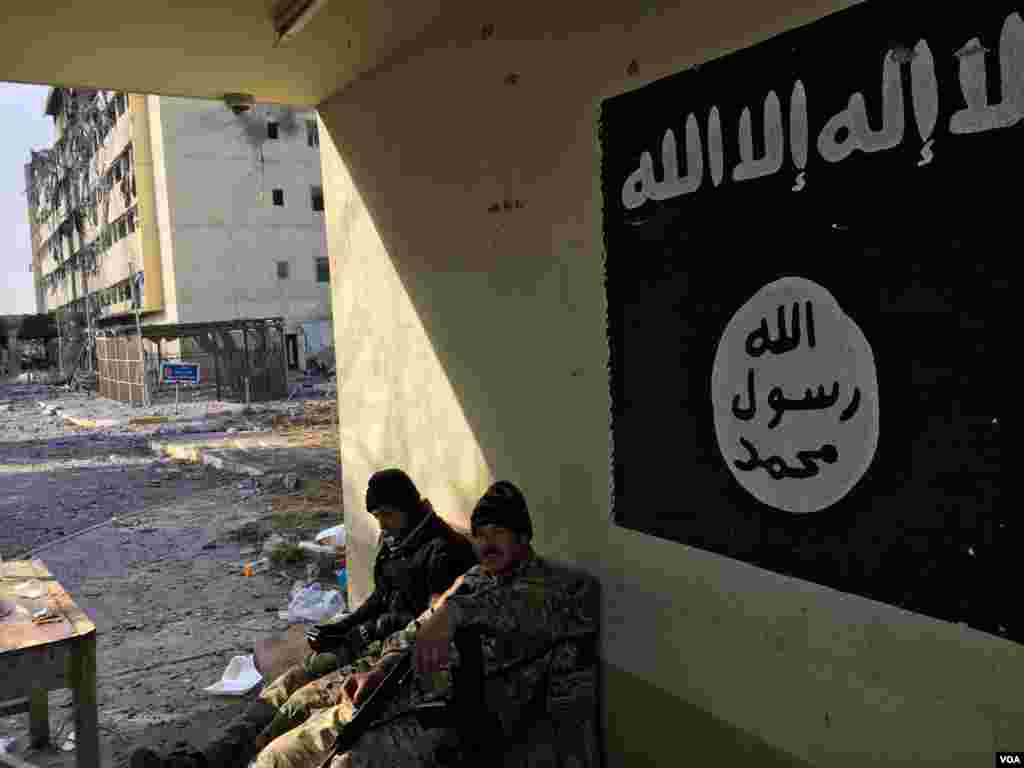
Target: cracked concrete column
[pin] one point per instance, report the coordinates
(13, 354)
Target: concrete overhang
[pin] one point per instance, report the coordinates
(203, 50)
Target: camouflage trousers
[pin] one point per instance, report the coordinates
(399, 743)
(317, 684)
(243, 737)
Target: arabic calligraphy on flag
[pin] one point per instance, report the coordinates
(795, 395)
(845, 133)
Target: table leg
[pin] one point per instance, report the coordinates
(39, 718)
(83, 693)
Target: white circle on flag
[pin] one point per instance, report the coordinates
(795, 396)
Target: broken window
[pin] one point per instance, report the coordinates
(312, 134)
(282, 270)
(317, 197)
(323, 269)
(278, 195)
(272, 130)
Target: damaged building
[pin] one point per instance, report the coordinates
(211, 217)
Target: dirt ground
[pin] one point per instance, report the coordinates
(164, 585)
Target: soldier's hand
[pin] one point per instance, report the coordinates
(361, 684)
(432, 643)
(322, 637)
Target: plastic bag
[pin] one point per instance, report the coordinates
(312, 603)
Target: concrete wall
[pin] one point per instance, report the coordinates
(472, 347)
(227, 236)
(147, 231)
(158, 216)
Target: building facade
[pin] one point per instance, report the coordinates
(212, 216)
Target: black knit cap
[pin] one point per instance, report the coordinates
(504, 505)
(394, 488)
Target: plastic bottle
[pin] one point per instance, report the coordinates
(256, 566)
(343, 585)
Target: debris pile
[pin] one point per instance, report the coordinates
(316, 426)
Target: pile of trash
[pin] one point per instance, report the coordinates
(309, 601)
(326, 357)
(326, 552)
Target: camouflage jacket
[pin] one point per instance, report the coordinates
(425, 563)
(523, 615)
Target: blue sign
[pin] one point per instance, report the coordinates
(179, 373)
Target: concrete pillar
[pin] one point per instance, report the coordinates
(13, 354)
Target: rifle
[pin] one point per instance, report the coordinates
(368, 712)
(467, 689)
(480, 730)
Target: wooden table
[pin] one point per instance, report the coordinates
(37, 658)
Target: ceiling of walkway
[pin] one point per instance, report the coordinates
(200, 49)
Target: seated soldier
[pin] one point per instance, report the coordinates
(419, 558)
(520, 603)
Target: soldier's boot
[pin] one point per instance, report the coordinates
(233, 749)
(239, 743)
(181, 757)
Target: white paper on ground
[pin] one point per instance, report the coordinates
(240, 677)
(33, 588)
(337, 533)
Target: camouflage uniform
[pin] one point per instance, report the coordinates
(522, 614)
(295, 703)
(425, 563)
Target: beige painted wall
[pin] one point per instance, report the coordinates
(147, 231)
(472, 346)
(158, 218)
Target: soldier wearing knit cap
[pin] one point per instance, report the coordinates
(501, 528)
(515, 599)
(394, 501)
(420, 558)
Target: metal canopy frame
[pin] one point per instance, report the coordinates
(170, 331)
(233, 364)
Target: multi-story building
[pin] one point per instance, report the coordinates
(214, 216)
